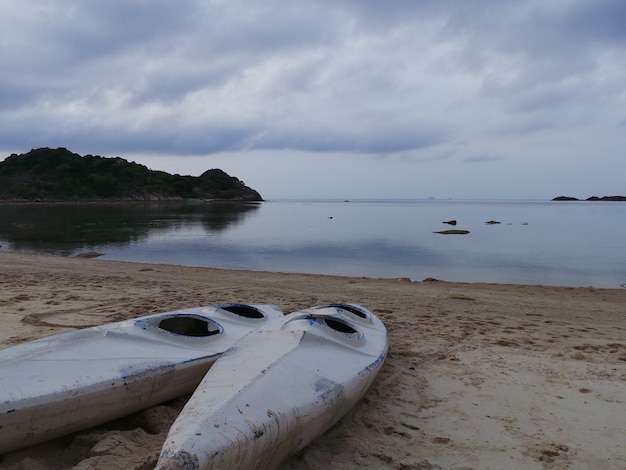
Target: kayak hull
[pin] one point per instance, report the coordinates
(277, 390)
(64, 383)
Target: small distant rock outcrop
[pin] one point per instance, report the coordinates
(592, 198)
(453, 232)
(607, 198)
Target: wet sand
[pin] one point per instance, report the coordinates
(479, 376)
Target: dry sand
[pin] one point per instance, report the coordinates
(479, 376)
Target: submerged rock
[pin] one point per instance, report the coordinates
(89, 254)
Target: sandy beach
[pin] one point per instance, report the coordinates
(479, 376)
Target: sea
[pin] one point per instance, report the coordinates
(564, 243)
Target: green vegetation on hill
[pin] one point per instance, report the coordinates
(60, 175)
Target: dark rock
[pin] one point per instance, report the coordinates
(89, 254)
(453, 232)
(592, 198)
(607, 198)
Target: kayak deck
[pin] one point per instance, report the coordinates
(277, 390)
(67, 382)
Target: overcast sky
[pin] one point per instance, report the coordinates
(329, 98)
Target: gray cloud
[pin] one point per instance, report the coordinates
(487, 157)
(196, 78)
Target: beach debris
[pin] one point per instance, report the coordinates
(449, 222)
(505, 342)
(441, 440)
(453, 232)
(409, 426)
(459, 296)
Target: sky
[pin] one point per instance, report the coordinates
(480, 99)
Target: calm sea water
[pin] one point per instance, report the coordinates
(550, 243)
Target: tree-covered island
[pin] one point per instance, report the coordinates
(60, 175)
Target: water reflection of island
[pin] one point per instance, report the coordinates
(67, 228)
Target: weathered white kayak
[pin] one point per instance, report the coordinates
(64, 383)
(277, 390)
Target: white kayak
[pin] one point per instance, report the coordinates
(71, 381)
(277, 390)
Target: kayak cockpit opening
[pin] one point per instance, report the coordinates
(243, 310)
(340, 326)
(337, 325)
(189, 326)
(353, 309)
